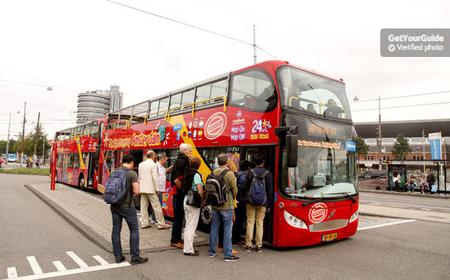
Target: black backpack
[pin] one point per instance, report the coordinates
(216, 189)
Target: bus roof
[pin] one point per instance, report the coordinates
(274, 64)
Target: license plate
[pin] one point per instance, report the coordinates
(329, 237)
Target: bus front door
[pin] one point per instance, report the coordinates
(247, 153)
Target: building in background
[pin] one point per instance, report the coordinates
(96, 104)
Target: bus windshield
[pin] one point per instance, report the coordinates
(325, 160)
(321, 171)
(313, 94)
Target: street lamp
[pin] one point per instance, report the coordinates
(379, 144)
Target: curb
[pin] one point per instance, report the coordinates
(405, 194)
(77, 224)
(90, 234)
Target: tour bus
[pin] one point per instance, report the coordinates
(77, 153)
(300, 120)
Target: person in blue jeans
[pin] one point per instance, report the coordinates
(126, 211)
(224, 213)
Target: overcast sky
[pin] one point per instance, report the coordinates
(80, 45)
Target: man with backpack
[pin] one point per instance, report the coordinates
(221, 191)
(258, 186)
(120, 187)
(177, 180)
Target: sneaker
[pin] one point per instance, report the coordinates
(139, 260)
(259, 249)
(213, 255)
(193, 254)
(146, 226)
(231, 259)
(247, 248)
(120, 259)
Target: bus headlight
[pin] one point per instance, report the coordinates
(294, 221)
(354, 217)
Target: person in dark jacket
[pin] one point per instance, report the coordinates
(240, 211)
(430, 180)
(256, 213)
(177, 179)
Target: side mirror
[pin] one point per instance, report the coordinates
(291, 150)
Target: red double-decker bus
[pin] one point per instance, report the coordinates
(298, 119)
(77, 154)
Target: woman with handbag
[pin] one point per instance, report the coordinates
(192, 204)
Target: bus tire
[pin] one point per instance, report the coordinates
(81, 182)
(204, 222)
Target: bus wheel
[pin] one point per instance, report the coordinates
(205, 218)
(81, 182)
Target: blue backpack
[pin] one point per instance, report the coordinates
(257, 194)
(116, 189)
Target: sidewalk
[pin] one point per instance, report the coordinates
(415, 194)
(91, 216)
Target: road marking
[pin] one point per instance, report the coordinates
(12, 272)
(100, 260)
(386, 224)
(77, 259)
(34, 265)
(73, 271)
(59, 266)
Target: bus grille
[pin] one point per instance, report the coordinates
(328, 225)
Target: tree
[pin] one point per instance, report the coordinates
(401, 147)
(361, 146)
(36, 137)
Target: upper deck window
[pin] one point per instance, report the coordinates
(163, 106)
(312, 93)
(253, 90)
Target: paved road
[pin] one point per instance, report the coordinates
(413, 250)
(408, 202)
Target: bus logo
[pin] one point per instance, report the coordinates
(318, 213)
(215, 125)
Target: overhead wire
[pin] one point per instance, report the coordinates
(190, 25)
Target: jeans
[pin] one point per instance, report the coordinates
(130, 216)
(178, 218)
(218, 217)
(160, 197)
(238, 225)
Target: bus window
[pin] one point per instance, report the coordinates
(308, 92)
(253, 90)
(188, 97)
(75, 160)
(163, 106)
(175, 101)
(219, 89)
(209, 156)
(203, 93)
(154, 108)
(59, 162)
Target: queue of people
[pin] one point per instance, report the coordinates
(236, 197)
(426, 183)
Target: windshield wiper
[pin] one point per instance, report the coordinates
(311, 201)
(346, 194)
